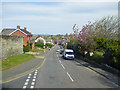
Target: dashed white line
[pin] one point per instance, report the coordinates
(26, 83)
(70, 77)
(33, 80)
(30, 74)
(35, 72)
(59, 61)
(27, 80)
(24, 87)
(34, 77)
(33, 83)
(31, 87)
(63, 66)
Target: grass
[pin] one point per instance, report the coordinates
(15, 60)
(37, 50)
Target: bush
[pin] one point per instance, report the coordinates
(97, 57)
(39, 45)
(111, 47)
(49, 45)
(26, 48)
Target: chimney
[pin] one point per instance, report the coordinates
(25, 28)
(18, 27)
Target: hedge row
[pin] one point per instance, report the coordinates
(41, 45)
(106, 51)
(111, 50)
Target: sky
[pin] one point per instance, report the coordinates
(54, 17)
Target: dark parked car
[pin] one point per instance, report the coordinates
(61, 51)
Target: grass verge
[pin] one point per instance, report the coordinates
(16, 60)
(37, 50)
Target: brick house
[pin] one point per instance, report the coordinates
(27, 36)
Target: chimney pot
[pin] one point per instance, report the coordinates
(25, 28)
(18, 27)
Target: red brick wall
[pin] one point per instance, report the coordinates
(25, 37)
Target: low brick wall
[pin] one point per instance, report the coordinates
(11, 45)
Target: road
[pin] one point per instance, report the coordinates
(59, 73)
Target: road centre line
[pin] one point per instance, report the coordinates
(63, 66)
(70, 77)
(59, 61)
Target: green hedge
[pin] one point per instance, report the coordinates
(26, 48)
(41, 45)
(111, 48)
(106, 51)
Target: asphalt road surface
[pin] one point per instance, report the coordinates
(59, 73)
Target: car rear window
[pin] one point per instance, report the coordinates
(69, 53)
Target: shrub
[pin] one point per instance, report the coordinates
(39, 45)
(49, 45)
(26, 48)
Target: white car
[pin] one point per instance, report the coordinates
(57, 50)
(68, 54)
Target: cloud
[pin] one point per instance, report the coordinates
(53, 18)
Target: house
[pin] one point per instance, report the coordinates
(27, 36)
(40, 40)
(57, 41)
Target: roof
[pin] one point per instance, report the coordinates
(9, 31)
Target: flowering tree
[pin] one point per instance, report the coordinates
(105, 28)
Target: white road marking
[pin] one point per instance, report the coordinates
(26, 83)
(63, 66)
(34, 77)
(59, 61)
(31, 87)
(30, 74)
(70, 77)
(35, 74)
(24, 87)
(36, 70)
(33, 80)
(33, 83)
(27, 80)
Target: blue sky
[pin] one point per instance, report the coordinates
(54, 17)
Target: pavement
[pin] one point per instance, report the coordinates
(23, 69)
(115, 78)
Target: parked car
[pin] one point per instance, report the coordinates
(57, 50)
(61, 51)
(61, 47)
(68, 54)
